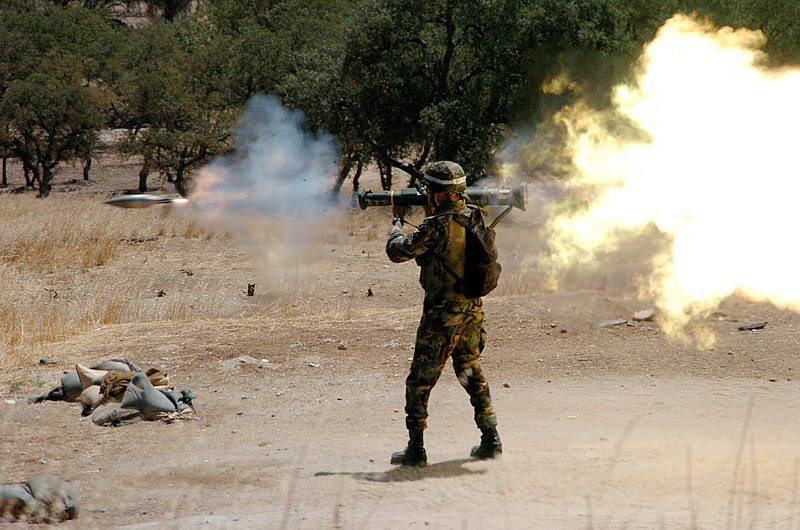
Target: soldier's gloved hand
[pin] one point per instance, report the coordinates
(399, 213)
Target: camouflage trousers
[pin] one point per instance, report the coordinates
(449, 329)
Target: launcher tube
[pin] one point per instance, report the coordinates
(515, 196)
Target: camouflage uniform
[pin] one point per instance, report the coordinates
(451, 324)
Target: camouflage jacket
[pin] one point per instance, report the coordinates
(439, 238)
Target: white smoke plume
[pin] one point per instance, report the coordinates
(712, 169)
(272, 193)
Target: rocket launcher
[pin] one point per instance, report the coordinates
(515, 196)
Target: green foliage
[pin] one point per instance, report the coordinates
(49, 121)
(272, 46)
(48, 109)
(173, 99)
(441, 79)
(169, 10)
(778, 21)
(397, 82)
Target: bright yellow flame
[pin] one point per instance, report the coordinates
(715, 169)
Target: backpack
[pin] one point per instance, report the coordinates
(481, 268)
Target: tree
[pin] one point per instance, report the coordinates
(778, 21)
(50, 122)
(174, 108)
(169, 10)
(308, 79)
(48, 113)
(443, 79)
(215, 63)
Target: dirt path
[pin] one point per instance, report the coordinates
(632, 452)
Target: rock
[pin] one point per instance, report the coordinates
(752, 326)
(242, 360)
(610, 323)
(645, 315)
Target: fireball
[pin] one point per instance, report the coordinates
(713, 166)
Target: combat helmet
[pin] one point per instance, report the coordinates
(445, 176)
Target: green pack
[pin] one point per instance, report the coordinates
(481, 268)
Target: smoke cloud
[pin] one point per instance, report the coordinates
(272, 193)
(700, 150)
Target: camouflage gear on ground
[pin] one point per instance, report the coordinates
(71, 385)
(451, 324)
(115, 382)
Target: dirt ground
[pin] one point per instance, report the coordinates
(614, 427)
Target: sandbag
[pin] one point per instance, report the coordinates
(143, 396)
(17, 504)
(58, 496)
(42, 499)
(88, 376)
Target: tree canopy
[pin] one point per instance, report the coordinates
(49, 110)
(397, 82)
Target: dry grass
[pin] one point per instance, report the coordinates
(70, 264)
(73, 269)
(369, 224)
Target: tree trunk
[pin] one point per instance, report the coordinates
(344, 171)
(143, 173)
(45, 182)
(180, 182)
(357, 176)
(87, 165)
(31, 176)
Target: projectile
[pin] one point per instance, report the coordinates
(143, 200)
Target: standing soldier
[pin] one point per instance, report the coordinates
(451, 323)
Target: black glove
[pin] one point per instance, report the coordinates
(400, 213)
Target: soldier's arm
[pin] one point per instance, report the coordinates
(402, 247)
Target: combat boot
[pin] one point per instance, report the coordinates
(490, 446)
(413, 455)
